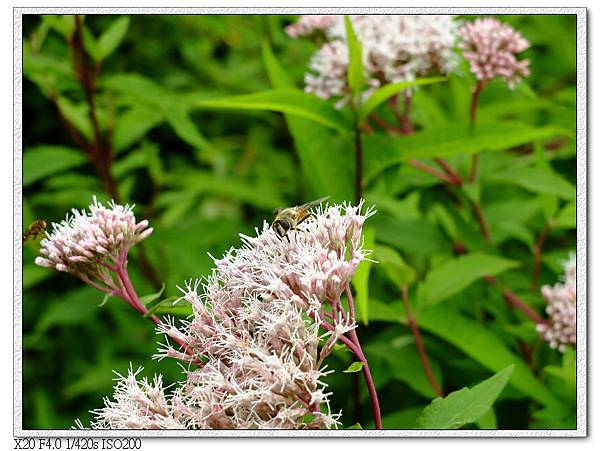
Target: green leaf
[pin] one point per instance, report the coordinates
(413, 235)
(200, 182)
(138, 89)
(453, 276)
(554, 418)
(290, 101)
(63, 24)
(549, 205)
(485, 347)
(168, 305)
(90, 43)
(488, 420)
(389, 90)
(404, 363)
(361, 277)
(355, 367)
(566, 217)
(277, 75)
(73, 308)
(473, 191)
(185, 128)
(536, 180)
(407, 208)
(153, 162)
(394, 266)
(149, 298)
(111, 38)
(43, 161)
(466, 405)
(131, 161)
(402, 419)
(77, 115)
(386, 151)
(34, 274)
(355, 426)
(105, 300)
(323, 154)
(356, 74)
(133, 125)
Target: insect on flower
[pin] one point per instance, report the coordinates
(287, 219)
(36, 228)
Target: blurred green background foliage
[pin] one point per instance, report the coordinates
(202, 174)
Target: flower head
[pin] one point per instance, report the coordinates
(308, 25)
(255, 330)
(86, 244)
(138, 405)
(491, 47)
(395, 48)
(560, 331)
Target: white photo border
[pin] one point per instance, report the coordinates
(581, 201)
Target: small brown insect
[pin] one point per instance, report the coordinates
(36, 228)
(287, 219)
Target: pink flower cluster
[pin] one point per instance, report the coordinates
(252, 343)
(91, 245)
(560, 331)
(491, 47)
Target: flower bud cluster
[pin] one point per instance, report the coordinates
(491, 47)
(88, 244)
(561, 330)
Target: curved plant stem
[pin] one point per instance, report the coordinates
(473, 118)
(516, 302)
(456, 180)
(485, 231)
(87, 75)
(475, 101)
(513, 301)
(366, 370)
(406, 128)
(432, 171)
(537, 257)
(403, 117)
(419, 343)
(392, 130)
(130, 296)
(99, 153)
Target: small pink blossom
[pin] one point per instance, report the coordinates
(561, 331)
(491, 47)
(89, 244)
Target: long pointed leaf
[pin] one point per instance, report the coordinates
(387, 91)
(289, 101)
(384, 151)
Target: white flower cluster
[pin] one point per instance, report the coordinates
(88, 244)
(491, 46)
(395, 48)
(561, 298)
(138, 405)
(254, 334)
(308, 25)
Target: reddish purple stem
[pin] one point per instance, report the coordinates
(366, 369)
